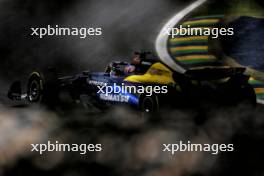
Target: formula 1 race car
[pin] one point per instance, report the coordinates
(147, 86)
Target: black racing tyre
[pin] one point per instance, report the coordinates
(35, 88)
(243, 93)
(42, 89)
(149, 106)
(247, 94)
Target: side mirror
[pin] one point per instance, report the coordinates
(15, 91)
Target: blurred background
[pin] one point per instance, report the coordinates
(127, 27)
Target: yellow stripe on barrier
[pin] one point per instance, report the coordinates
(194, 57)
(204, 21)
(191, 38)
(182, 48)
(259, 90)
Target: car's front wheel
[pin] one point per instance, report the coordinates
(42, 89)
(35, 88)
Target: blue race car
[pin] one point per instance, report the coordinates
(146, 86)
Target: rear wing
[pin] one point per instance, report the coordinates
(213, 73)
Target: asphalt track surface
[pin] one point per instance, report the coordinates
(131, 145)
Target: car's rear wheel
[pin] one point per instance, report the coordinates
(239, 94)
(246, 94)
(149, 105)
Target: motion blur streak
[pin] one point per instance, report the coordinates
(162, 39)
